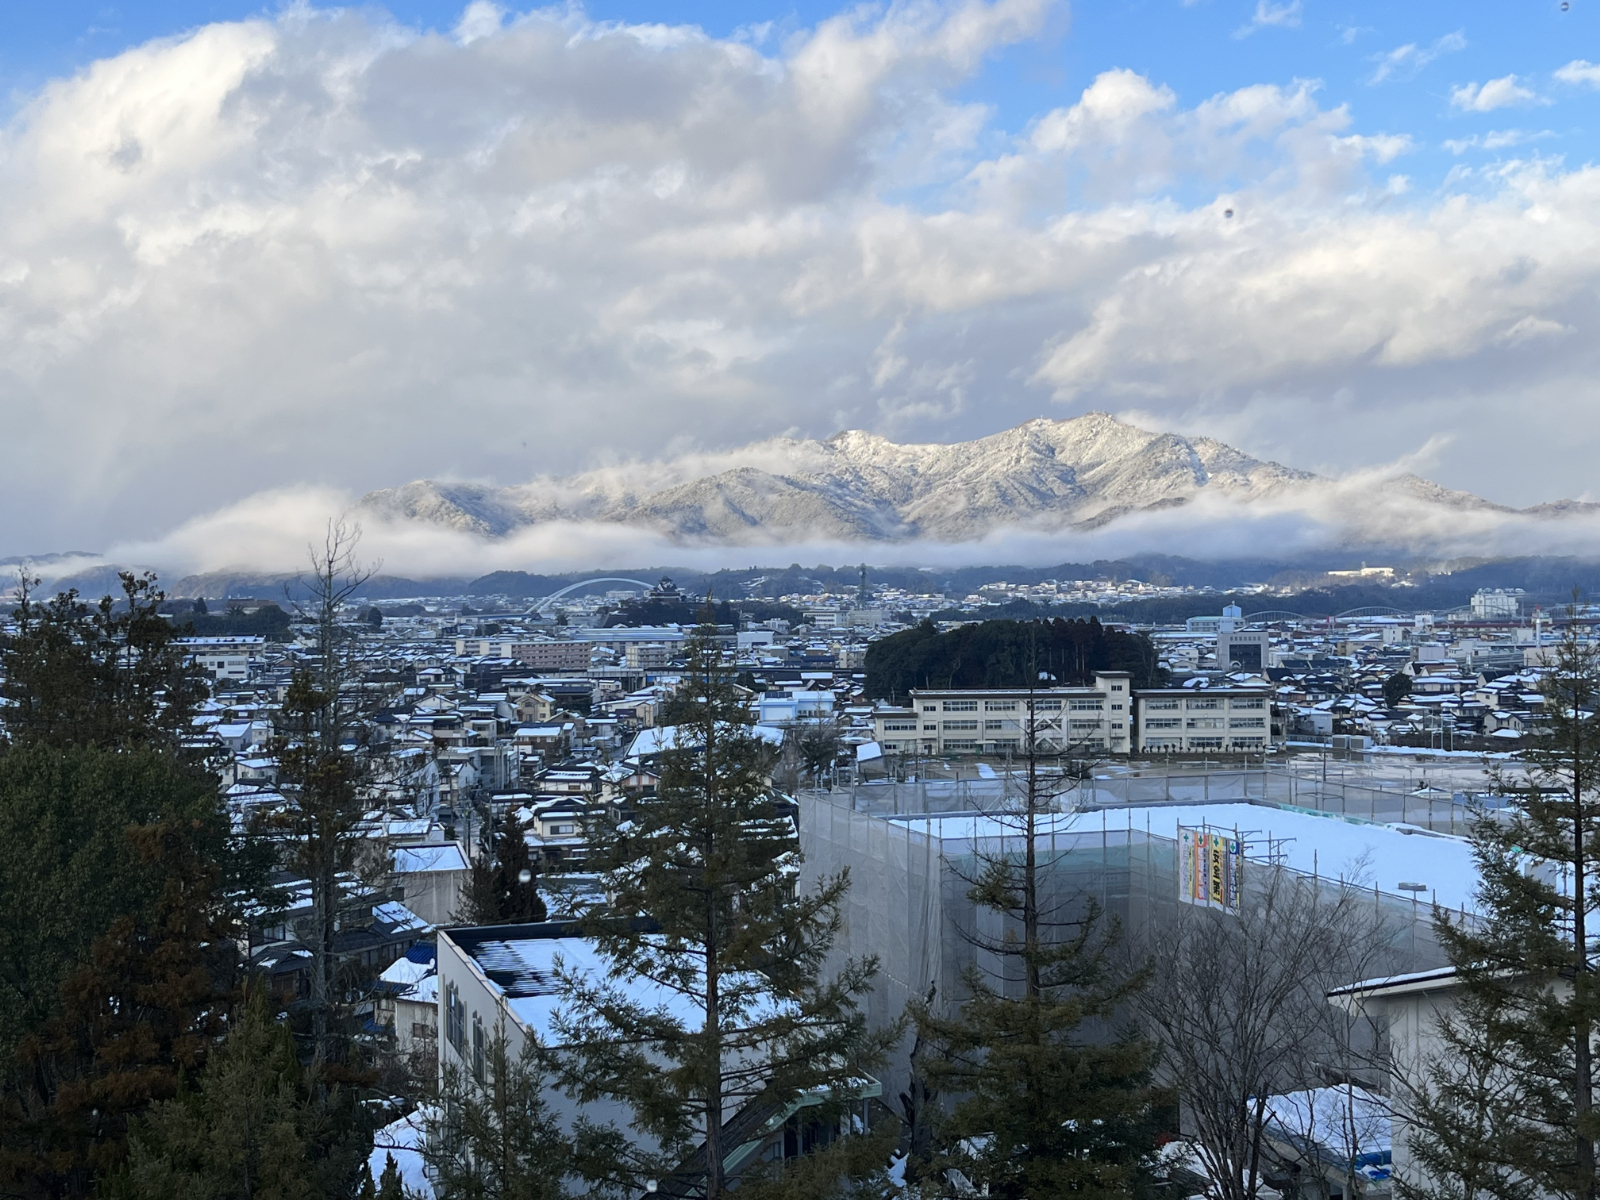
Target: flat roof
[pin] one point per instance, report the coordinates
(1327, 845)
(1416, 981)
(1236, 689)
(522, 962)
(1011, 691)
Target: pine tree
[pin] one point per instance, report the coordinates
(390, 1186)
(818, 746)
(1508, 1109)
(68, 869)
(141, 1012)
(498, 1139)
(72, 675)
(321, 772)
(1396, 688)
(115, 859)
(1050, 1104)
(257, 1125)
(704, 909)
(503, 887)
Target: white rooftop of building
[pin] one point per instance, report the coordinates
(1331, 846)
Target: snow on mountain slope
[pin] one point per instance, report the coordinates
(1081, 473)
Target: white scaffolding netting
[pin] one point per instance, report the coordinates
(911, 872)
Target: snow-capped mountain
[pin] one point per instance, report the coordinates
(1082, 473)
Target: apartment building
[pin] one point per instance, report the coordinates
(487, 647)
(1221, 719)
(225, 659)
(504, 979)
(1097, 719)
(553, 656)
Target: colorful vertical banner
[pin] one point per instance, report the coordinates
(1210, 869)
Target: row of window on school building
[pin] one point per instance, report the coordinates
(1109, 716)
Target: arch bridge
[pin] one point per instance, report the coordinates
(541, 605)
(1282, 614)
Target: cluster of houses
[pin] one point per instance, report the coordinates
(472, 720)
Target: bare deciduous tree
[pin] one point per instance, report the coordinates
(1239, 1004)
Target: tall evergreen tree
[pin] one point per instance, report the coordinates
(257, 1124)
(118, 871)
(139, 1013)
(1508, 1110)
(111, 675)
(390, 1186)
(98, 704)
(321, 772)
(705, 915)
(1054, 1100)
(68, 869)
(497, 1139)
(503, 888)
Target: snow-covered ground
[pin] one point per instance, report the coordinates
(1382, 856)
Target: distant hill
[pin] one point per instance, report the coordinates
(1084, 473)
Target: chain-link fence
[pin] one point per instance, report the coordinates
(1441, 809)
(913, 859)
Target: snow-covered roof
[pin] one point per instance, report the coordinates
(406, 972)
(1346, 1123)
(665, 737)
(524, 971)
(443, 857)
(394, 913)
(1410, 982)
(1330, 845)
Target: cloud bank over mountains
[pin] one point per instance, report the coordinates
(1043, 492)
(262, 268)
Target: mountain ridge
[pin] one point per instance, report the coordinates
(1079, 473)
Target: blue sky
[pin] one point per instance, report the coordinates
(1197, 48)
(280, 264)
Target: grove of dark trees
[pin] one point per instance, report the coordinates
(1006, 654)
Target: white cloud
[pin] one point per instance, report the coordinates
(1404, 62)
(1533, 328)
(324, 252)
(1504, 92)
(1580, 71)
(1367, 507)
(480, 19)
(1272, 16)
(1498, 139)
(1106, 112)
(1235, 310)
(1381, 147)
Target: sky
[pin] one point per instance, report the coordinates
(261, 259)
